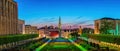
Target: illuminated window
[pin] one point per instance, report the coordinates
(0, 4)
(0, 7)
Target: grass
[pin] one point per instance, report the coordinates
(60, 46)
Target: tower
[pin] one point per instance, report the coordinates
(80, 30)
(59, 25)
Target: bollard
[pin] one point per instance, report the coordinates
(98, 46)
(94, 45)
(87, 42)
(90, 43)
(107, 48)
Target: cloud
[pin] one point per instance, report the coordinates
(82, 22)
(90, 25)
(42, 20)
(76, 22)
(79, 17)
(49, 20)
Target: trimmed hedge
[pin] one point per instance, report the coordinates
(106, 38)
(15, 38)
(84, 35)
(34, 46)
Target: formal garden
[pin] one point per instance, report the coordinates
(12, 41)
(84, 42)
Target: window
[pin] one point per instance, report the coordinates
(0, 7)
(0, 3)
(0, 11)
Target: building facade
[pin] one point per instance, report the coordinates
(8, 17)
(41, 33)
(80, 30)
(57, 32)
(21, 26)
(53, 32)
(49, 32)
(115, 28)
(31, 29)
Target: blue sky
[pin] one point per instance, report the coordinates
(72, 12)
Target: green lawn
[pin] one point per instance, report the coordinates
(60, 46)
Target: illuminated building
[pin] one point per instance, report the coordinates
(8, 17)
(21, 26)
(51, 31)
(67, 32)
(56, 32)
(41, 32)
(31, 29)
(115, 28)
(80, 30)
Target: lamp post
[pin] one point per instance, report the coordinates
(117, 28)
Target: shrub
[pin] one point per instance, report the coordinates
(106, 38)
(15, 38)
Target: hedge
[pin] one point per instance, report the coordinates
(15, 38)
(106, 38)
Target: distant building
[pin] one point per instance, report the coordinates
(49, 32)
(115, 27)
(31, 29)
(54, 32)
(80, 30)
(8, 17)
(67, 32)
(41, 32)
(21, 26)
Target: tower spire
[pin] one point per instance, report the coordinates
(59, 26)
(59, 22)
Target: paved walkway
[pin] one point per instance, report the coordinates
(60, 40)
(60, 44)
(40, 47)
(79, 46)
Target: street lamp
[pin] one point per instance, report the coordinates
(117, 28)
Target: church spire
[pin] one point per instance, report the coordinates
(59, 22)
(59, 26)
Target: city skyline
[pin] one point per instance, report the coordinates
(59, 25)
(72, 12)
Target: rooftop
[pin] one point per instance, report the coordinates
(108, 18)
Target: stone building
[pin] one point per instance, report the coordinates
(54, 32)
(80, 30)
(67, 32)
(49, 32)
(31, 29)
(41, 32)
(115, 28)
(8, 17)
(21, 26)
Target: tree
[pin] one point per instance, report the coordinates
(87, 31)
(74, 34)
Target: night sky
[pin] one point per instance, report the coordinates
(72, 12)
